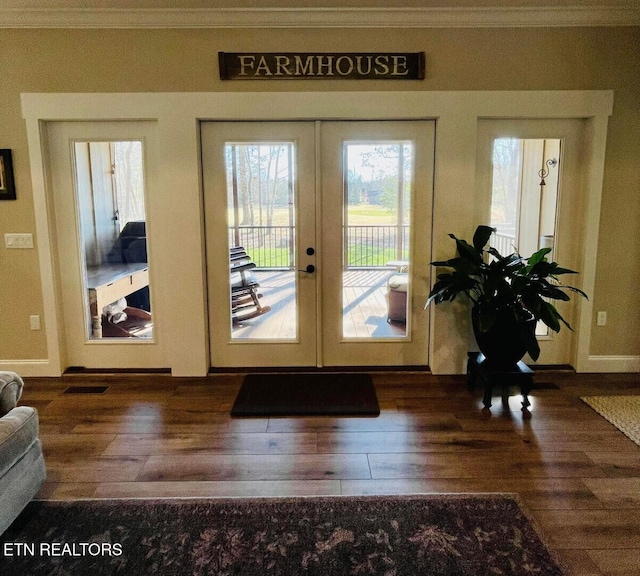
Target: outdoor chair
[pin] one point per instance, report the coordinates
(397, 286)
(245, 297)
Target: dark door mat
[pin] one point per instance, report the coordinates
(312, 394)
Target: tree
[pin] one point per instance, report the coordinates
(507, 165)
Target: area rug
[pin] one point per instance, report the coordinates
(622, 411)
(306, 394)
(435, 535)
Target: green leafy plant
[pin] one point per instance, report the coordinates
(511, 285)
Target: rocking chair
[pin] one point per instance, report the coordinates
(245, 297)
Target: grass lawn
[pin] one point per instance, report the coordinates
(359, 215)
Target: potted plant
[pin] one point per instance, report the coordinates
(509, 295)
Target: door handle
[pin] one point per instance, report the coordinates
(310, 269)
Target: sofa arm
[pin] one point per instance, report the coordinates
(11, 386)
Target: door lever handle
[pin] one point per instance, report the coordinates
(310, 269)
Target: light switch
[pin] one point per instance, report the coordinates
(18, 240)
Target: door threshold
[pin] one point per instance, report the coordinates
(80, 370)
(287, 369)
(551, 367)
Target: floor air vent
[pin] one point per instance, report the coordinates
(86, 390)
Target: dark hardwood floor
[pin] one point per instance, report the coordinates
(157, 436)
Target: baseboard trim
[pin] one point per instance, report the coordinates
(31, 368)
(613, 364)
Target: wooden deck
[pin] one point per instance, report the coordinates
(154, 436)
(364, 298)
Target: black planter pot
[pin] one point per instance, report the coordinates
(503, 344)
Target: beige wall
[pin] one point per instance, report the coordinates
(465, 59)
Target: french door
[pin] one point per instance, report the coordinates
(317, 242)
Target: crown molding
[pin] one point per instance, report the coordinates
(555, 16)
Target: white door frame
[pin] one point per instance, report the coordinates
(177, 114)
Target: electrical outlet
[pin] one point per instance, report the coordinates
(34, 322)
(601, 319)
(18, 240)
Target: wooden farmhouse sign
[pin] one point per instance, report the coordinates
(311, 65)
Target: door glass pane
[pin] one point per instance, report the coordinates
(262, 238)
(378, 184)
(524, 197)
(109, 180)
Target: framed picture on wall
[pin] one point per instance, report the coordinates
(7, 184)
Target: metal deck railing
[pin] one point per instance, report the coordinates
(272, 247)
